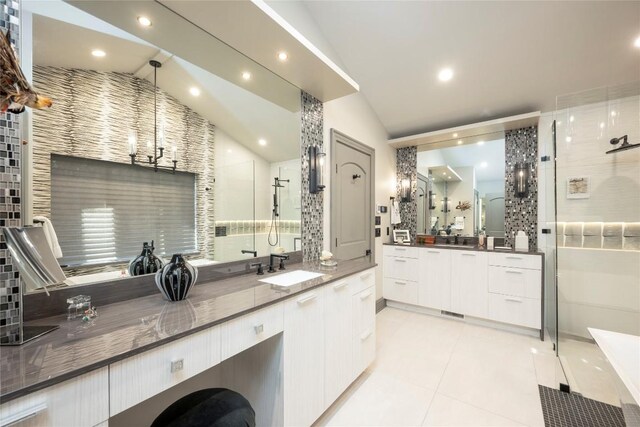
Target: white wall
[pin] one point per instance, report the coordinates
(491, 186)
(352, 116)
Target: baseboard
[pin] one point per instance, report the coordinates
(380, 304)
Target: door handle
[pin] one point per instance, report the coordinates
(259, 328)
(400, 283)
(513, 300)
(513, 271)
(365, 276)
(365, 296)
(401, 260)
(513, 257)
(339, 286)
(467, 254)
(434, 252)
(304, 300)
(366, 335)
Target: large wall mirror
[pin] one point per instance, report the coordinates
(232, 128)
(461, 185)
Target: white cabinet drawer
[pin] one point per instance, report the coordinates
(364, 349)
(364, 309)
(515, 260)
(515, 310)
(400, 290)
(515, 281)
(81, 401)
(239, 334)
(139, 377)
(401, 268)
(401, 251)
(362, 280)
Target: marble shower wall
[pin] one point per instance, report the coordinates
(521, 146)
(92, 117)
(407, 168)
(10, 194)
(312, 204)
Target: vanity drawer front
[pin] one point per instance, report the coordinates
(515, 260)
(400, 290)
(81, 401)
(363, 280)
(401, 268)
(515, 310)
(401, 251)
(364, 349)
(364, 309)
(515, 281)
(139, 377)
(246, 331)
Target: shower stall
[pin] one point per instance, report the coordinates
(592, 240)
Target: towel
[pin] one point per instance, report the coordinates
(395, 213)
(459, 223)
(50, 234)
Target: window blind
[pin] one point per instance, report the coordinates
(103, 211)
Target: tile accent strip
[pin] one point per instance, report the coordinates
(562, 409)
(312, 214)
(92, 117)
(10, 194)
(407, 167)
(521, 145)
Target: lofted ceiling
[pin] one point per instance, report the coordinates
(508, 58)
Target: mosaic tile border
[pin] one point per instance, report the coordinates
(312, 215)
(10, 194)
(562, 409)
(407, 167)
(521, 145)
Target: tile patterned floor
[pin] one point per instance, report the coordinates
(564, 409)
(433, 371)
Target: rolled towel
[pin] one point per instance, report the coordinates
(50, 234)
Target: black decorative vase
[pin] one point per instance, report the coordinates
(146, 262)
(176, 279)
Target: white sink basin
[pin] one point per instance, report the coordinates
(292, 278)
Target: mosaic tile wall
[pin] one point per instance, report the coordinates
(312, 207)
(521, 146)
(92, 116)
(407, 167)
(10, 195)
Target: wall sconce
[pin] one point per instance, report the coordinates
(316, 170)
(521, 178)
(405, 190)
(432, 198)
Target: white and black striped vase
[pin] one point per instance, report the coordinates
(176, 279)
(146, 262)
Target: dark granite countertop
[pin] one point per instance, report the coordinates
(127, 328)
(464, 248)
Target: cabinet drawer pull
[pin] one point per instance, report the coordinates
(23, 416)
(513, 271)
(400, 283)
(306, 299)
(365, 276)
(366, 335)
(401, 260)
(365, 296)
(513, 300)
(467, 254)
(259, 328)
(513, 257)
(339, 286)
(177, 365)
(400, 249)
(434, 252)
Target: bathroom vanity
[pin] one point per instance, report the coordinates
(311, 341)
(497, 286)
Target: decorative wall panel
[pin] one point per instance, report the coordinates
(407, 168)
(10, 195)
(521, 146)
(312, 208)
(92, 116)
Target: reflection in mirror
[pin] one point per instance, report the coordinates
(463, 185)
(236, 189)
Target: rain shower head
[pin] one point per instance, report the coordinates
(625, 144)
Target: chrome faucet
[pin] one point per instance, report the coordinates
(282, 258)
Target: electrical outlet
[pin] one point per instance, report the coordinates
(377, 231)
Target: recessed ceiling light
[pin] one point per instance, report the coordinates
(449, 177)
(571, 119)
(229, 150)
(636, 43)
(144, 21)
(262, 142)
(480, 142)
(444, 173)
(194, 91)
(445, 74)
(483, 164)
(568, 139)
(455, 135)
(459, 142)
(246, 75)
(282, 56)
(601, 125)
(98, 53)
(613, 114)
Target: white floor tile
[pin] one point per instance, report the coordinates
(445, 411)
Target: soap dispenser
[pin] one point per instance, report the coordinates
(522, 241)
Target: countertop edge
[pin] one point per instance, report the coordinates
(469, 248)
(106, 362)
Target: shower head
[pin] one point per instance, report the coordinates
(624, 146)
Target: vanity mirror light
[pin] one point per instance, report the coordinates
(462, 186)
(236, 191)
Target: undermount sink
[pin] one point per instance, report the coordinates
(291, 278)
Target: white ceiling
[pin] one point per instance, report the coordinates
(508, 57)
(491, 152)
(243, 115)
